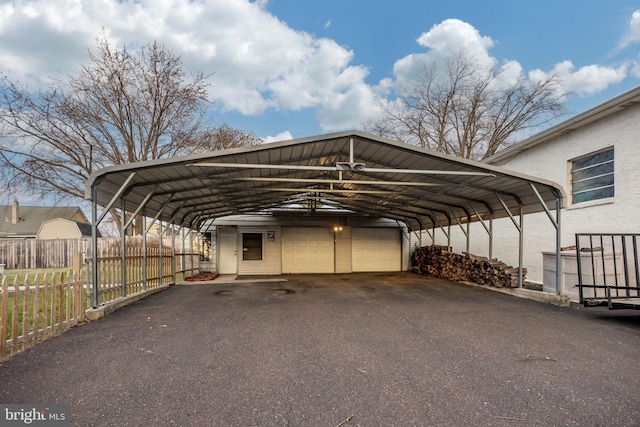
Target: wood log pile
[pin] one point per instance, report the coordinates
(438, 261)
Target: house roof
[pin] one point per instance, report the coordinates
(336, 173)
(608, 108)
(30, 218)
(85, 229)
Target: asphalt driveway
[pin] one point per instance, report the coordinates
(343, 350)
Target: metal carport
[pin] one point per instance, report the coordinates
(352, 171)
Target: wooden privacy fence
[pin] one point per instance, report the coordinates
(35, 253)
(33, 312)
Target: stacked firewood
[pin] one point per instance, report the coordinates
(438, 261)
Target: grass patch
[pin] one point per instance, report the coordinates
(22, 275)
(35, 308)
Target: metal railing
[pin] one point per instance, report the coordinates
(608, 269)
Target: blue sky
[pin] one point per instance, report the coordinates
(296, 68)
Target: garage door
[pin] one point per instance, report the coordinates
(376, 249)
(307, 250)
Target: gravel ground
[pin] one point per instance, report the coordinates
(338, 350)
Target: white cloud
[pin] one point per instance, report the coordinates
(454, 32)
(635, 69)
(633, 32)
(586, 80)
(282, 136)
(349, 109)
(453, 36)
(444, 41)
(258, 62)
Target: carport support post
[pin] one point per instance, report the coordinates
(559, 272)
(521, 248)
(519, 226)
(160, 254)
(465, 232)
(182, 259)
(173, 254)
(557, 224)
(468, 232)
(491, 236)
(193, 264)
(184, 248)
(123, 248)
(144, 250)
(94, 246)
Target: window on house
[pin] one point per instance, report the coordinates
(592, 177)
(252, 246)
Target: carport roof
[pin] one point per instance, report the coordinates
(347, 172)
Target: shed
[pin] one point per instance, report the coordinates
(25, 221)
(61, 228)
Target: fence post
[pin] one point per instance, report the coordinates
(78, 261)
(4, 310)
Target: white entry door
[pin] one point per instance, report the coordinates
(227, 250)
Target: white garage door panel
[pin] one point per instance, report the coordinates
(307, 250)
(376, 249)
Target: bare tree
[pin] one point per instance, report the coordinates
(224, 137)
(460, 109)
(124, 106)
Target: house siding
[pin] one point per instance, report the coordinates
(272, 250)
(344, 262)
(271, 262)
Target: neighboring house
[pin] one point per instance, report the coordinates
(595, 156)
(43, 222)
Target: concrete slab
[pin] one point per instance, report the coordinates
(328, 350)
(539, 296)
(108, 308)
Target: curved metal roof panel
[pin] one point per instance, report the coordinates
(347, 171)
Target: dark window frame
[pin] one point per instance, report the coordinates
(252, 244)
(593, 176)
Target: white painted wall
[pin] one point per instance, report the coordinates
(551, 161)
